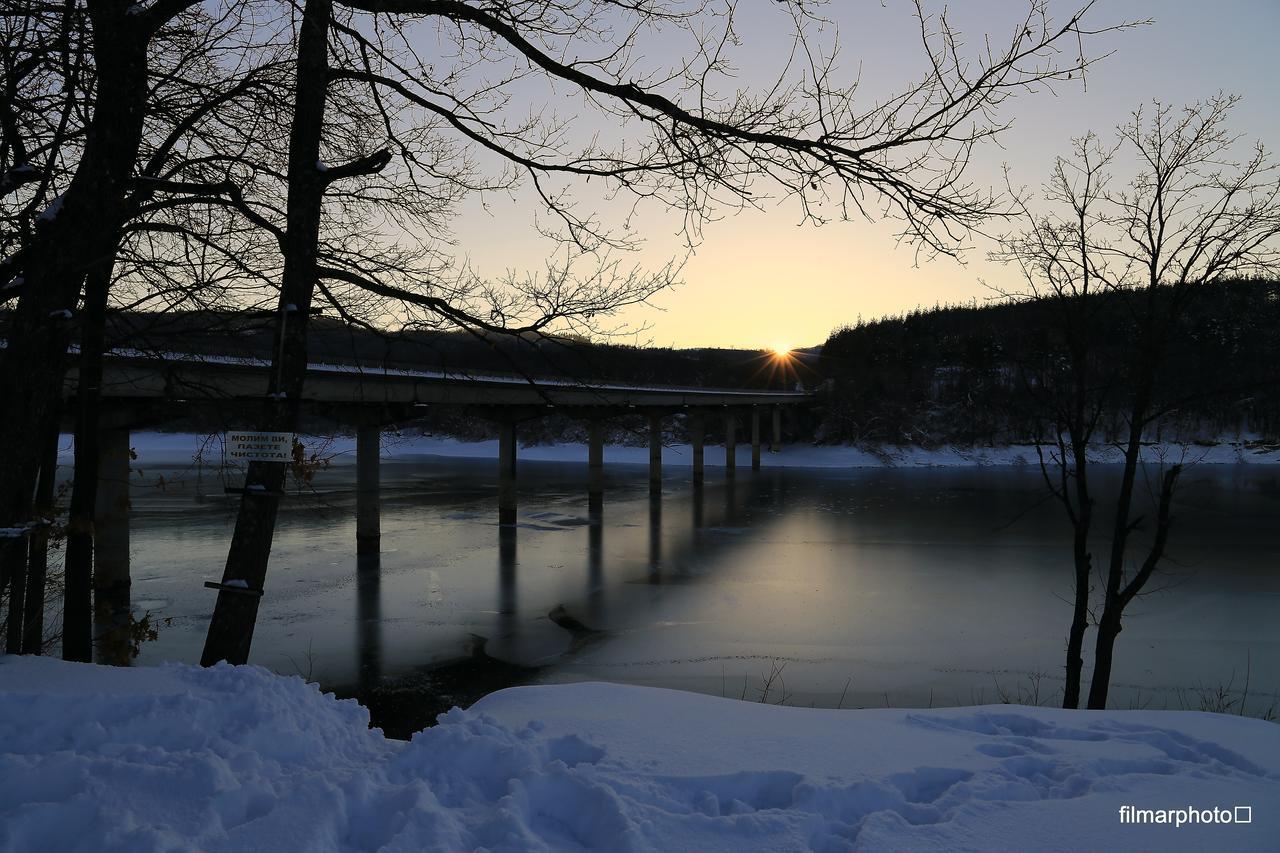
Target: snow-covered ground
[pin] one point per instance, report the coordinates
(180, 758)
(178, 448)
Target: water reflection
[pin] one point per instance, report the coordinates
(595, 569)
(655, 539)
(507, 603)
(907, 580)
(369, 619)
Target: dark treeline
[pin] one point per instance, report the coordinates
(962, 374)
(983, 374)
(464, 351)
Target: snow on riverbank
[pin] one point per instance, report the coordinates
(180, 758)
(157, 448)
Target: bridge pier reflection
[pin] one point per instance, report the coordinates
(730, 501)
(655, 539)
(507, 595)
(697, 501)
(369, 619)
(595, 568)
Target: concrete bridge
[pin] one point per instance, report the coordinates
(142, 388)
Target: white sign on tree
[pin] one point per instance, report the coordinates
(260, 446)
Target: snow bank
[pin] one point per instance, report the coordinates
(179, 449)
(180, 758)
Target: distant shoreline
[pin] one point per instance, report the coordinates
(177, 448)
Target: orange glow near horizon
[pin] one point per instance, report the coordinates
(761, 273)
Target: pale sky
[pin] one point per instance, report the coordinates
(758, 279)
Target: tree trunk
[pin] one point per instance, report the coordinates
(77, 232)
(77, 617)
(38, 561)
(1110, 625)
(1104, 654)
(231, 629)
(1112, 604)
(13, 581)
(1149, 348)
(1083, 525)
(1079, 624)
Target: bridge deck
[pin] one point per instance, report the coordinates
(136, 374)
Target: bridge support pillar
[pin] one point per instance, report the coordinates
(111, 576)
(595, 468)
(368, 497)
(730, 442)
(775, 444)
(111, 512)
(655, 454)
(698, 435)
(755, 438)
(507, 472)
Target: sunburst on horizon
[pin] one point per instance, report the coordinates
(780, 365)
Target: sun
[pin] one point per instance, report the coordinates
(779, 365)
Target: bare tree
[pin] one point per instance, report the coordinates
(681, 142)
(193, 209)
(46, 70)
(190, 86)
(1056, 258)
(75, 233)
(43, 71)
(1196, 211)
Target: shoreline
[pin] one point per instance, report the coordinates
(181, 448)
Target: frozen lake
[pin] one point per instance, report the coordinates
(865, 587)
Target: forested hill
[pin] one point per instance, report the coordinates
(986, 374)
(250, 335)
(963, 375)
